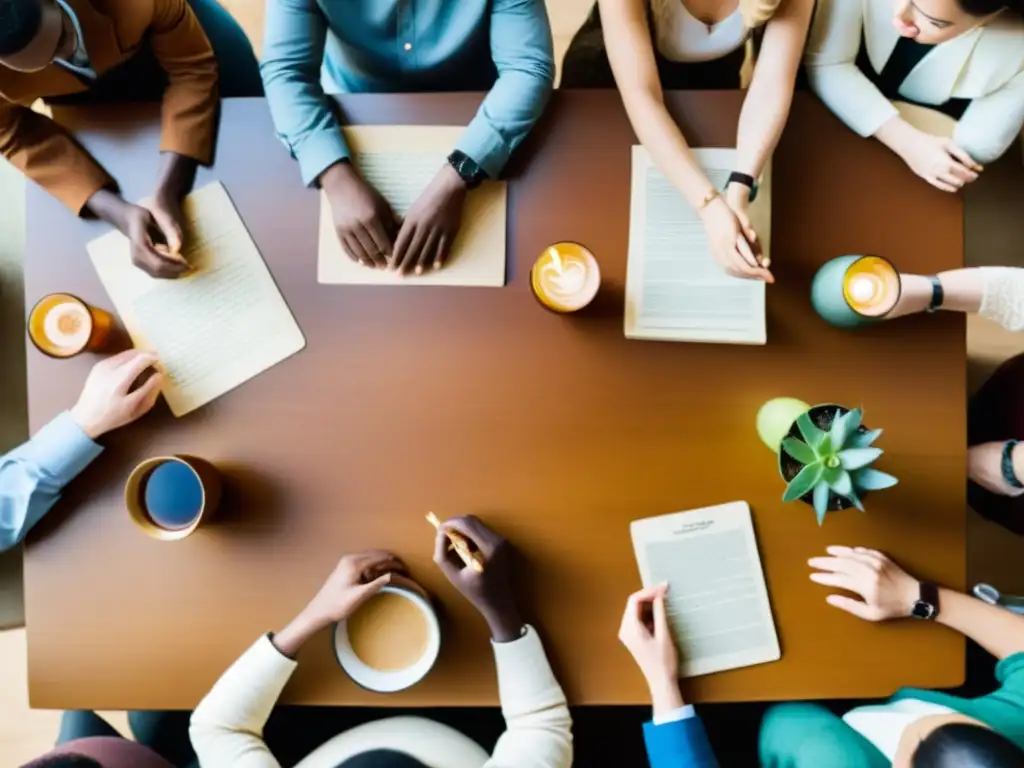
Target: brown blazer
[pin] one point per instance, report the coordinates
(114, 30)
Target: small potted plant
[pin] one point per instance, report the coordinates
(825, 455)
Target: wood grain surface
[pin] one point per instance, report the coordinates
(556, 430)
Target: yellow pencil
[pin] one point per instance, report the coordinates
(460, 544)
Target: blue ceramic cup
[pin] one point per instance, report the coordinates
(851, 291)
(169, 496)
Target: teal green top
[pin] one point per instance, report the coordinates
(1002, 710)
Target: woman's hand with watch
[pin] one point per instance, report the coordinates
(886, 591)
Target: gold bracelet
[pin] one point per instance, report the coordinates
(709, 198)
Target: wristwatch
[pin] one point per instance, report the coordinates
(927, 605)
(746, 180)
(938, 294)
(467, 168)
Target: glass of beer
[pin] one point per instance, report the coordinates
(565, 278)
(62, 325)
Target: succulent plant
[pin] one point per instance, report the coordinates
(838, 461)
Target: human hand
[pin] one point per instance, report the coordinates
(363, 219)
(886, 590)
(985, 467)
(733, 241)
(647, 636)
(167, 215)
(938, 160)
(106, 402)
(425, 238)
(355, 580)
(490, 591)
(140, 227)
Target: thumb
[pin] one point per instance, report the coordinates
(142, 400)
(169, 227)
(661, 630)
(366, 591)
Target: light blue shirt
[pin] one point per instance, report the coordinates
(33, 475)
(374, 46)
(79, 62)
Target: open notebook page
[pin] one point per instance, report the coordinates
(219, 325)
(399, 161)
(675, 290)
(717, 600)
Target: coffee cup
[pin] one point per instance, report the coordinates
(565, 278)
(62, 325)
(392, 641)
(169, 496)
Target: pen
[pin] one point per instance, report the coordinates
(460, 544)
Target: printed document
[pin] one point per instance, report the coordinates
(675, 290)
(218, 326)
(399, 161)
(717, 600)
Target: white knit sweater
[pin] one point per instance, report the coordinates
(1003, 301)
(227, 726)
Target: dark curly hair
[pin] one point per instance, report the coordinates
(965, 745)
(19, 23)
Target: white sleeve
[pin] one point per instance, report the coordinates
(831, 60)
(227, 727)
(992, 123)
(539, 727)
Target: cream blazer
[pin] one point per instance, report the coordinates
(985, 64)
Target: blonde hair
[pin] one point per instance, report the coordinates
(755, 13)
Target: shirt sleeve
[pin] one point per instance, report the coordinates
(226, 728)
(33, 475)
(522, 50)
(681, 742)
(992, 123)
(191, 98)
(682, 713)
(538, 725)
(831, 61)
(293, 51)
(46, 153)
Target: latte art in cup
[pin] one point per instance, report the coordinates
(62, 325)
(566, 277)
(67, 326)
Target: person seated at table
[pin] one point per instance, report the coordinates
(995, 293)
(386, 46)
(995, 458)
(675, 736)
(654, 45)
(227, 726)
(915, 728)
(86, 740)
(964, 58)
(33, 475)
(104, 51)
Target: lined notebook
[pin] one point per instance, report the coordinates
(717, 601)
(218, 326)
(675, 290)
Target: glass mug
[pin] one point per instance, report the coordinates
(62, 326)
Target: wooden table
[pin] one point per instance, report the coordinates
(556, 430)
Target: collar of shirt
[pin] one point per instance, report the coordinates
(79, 61)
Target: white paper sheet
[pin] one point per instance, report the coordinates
(717, 600)
(675, 290)
(399, 161)
(217, 327)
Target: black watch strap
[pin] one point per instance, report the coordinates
(1009, 473)
(927, 605)
(746, 180)
(468, 169)
(938, 294)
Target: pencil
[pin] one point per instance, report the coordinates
(460, 544)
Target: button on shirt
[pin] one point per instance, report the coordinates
(402, 46)
(78, 63)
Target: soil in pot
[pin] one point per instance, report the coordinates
(822, 416)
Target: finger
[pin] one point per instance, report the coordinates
(636, 601)
(660, 617)
(419, 239)
(372, 253)
(945, 186)
(428, 254)
(373, 558)
(961, 173)
(168, 228)
(964, 158)
(116, 361)
(870, 558)
(381, 240)
(131, 370)
(445, 557)
(356, 250)
(856, 607)
(350, 246)
(365, 591)
(403, 241)
(746, 252)
(479, 535)
(845, 565)
(142, 400)
(155, 265)
(444, 249)
(838, 580)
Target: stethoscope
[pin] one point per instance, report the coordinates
(992, 596)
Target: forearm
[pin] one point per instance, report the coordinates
(998, 631)
(963, 291)
(665, 696)
(176, 174)
(897, 134)
(290, 640)
(762, 121)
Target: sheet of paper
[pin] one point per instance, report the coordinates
(400, 161)
(214, 329)
(675, 290)
(717, 601)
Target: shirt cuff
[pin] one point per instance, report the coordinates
(525, 679)
(675, 715)
(318, 152)
(481, 142)
(62, 449)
